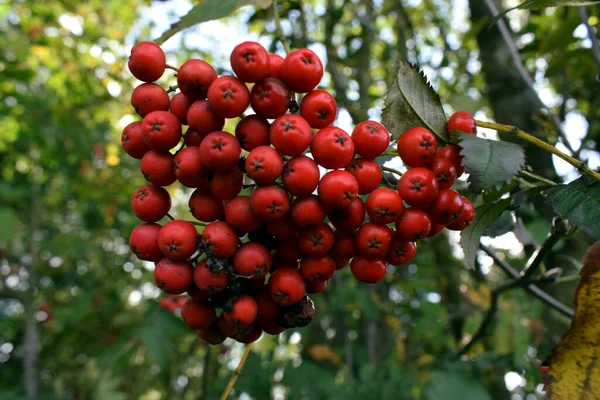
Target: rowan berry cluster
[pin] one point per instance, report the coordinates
(275, 229)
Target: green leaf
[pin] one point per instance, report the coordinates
(484, 216)
(9, 221)
(207, 10)
(411, 102)
(453, 385)
(490, 163)
(556, 3)
(579, 203)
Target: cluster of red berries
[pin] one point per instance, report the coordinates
(260, 253)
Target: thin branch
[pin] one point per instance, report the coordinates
(538, 178)
(282, 38)
(540, 254)
(237, 371)
(583, 14)
(9, 293)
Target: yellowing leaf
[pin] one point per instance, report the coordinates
(574, 364)
(321, 352)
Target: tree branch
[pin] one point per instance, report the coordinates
(338, 79)
(282, 37)
(237, 371)
(583, 14)
(9, 293)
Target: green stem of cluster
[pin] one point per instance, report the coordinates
(538, 178)
(198, 223)
(170, 217)
(392, 170)
(282, 38)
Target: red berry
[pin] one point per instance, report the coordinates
(194, 78)
(161, 130)
(252, 260)
(219, 240)
(204, 206)
(467, 215)
(384, 206)
(270, 98)
(344, 246)
(147, 61)
(417, 147)
(367, 173)
(243, 311)
(173, 277)
(341, 264)
(370, 139)
(143, 242)
(226, 185)
(250, 61)
(446, 207)
(282, 228)
(349, 218)
(179, 106)
(301, 176)
(318, 108)
(452, 152)
(270, 202)
(373, 240)
(302, 70)
(212, 335)
(189, 169)
(193, 138)
(271, 327)
(251, 336)
(197, 294)
(198, 314)
(178, 239)
(220, 151)
(267, 308)
(133, 141)
(313, 287)
(264, 165)
(240, 216)
(368, 270)
(157, 168)
(275, 63)
(286, 286)
(308, 211)
(316, 240)
(401, 251)
(413, 225)
(445, 172)
(332, 148)
(418, 187)
(252, 132)
(207, 281)
(150, 203)
(201, 117)
(462, 121)
(317, 268)
(435, 229)
(149, 97)
(288, 251)
(228, 97)
(290, 134)
(338, 189)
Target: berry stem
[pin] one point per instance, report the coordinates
(578, 164)
(173, 88)
(172, 67)
(392, 170)
(198, 223)
(538, 178)
(170, 217)
(237, 371)
(282, 38)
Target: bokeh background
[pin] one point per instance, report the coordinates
(80, 316)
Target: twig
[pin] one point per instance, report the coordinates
(583, 14)
(578, 164)
(541, 253)
(392, 170)
(237, 371)
(282, 38)
(9, 293)
(538, 178)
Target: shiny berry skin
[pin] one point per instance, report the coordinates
(337, 189)
(267, 308)
(344, 245)
(201, 118)
(371, 139)
(150, 203)
(227, 184)
(384, 206)
(367, 173)
(270, 98)
(204, 206)
(435, 229)
(252, 132)
(147, 61)
(413, 225)
(212, 335)
(198, 314)
(220, 151)
(418, 187)
(149, 97)
(368, 270)
(341, 264)
(401, 251)
(178, 239)
(189, 169)
(133, 141)
(157, 168)
(316, 240)
(417, 147)
(313, 287)
(282, 228)
(193, 138)
(264, 165)
(318, 109)
(179, 106)
(290, 134)
(270, 202)
(240, 216)
(317, 268)
(452, 152)
(373, 240)
(252, 260)
(467, 215)
(250, 61)
(332, 148)
(308, 211)
(301, 176)
(462, 121)
(207, 281)
(446, 207)
(219, 240)
(173, 277)
(161, 130)
(194, 78)
(143, 242)
(445, 171)
(302, 70)
(251, 336)
(286, 286)
(349, 218)
(228, 96)
(275, 63)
